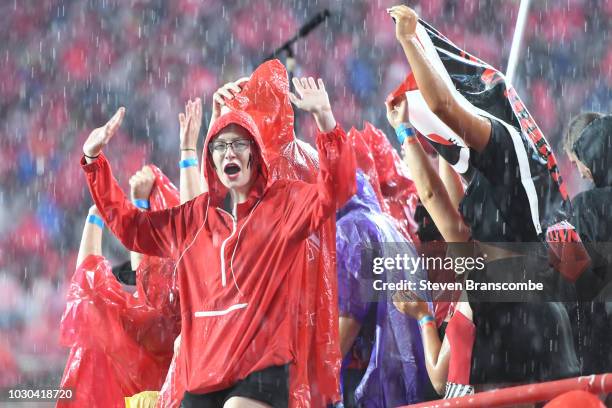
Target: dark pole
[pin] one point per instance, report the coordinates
(302, 32)
(287, 48)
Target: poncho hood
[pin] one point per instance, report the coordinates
(594, 149)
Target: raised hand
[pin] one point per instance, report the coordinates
(406, 20)
(313, 98)
(141, 183)
(410, 304)
(397, 112)
(100, 137)
(226, 92)
(190, 123)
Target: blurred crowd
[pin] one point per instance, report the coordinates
(66, 65)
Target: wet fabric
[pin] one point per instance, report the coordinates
(398, 191)
(593, 220)
(483, 90)
(269, 386)
(461, 335)
(396, 373)
(576, 398)
(594, 148)
(495, 205)
(593, 208)
(145, 399)
(124, 273)
(520, 342)
(121, 343)
(245, 309)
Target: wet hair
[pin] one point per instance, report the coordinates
(575, 128)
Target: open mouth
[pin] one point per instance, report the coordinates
(231, 169)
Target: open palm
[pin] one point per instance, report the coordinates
(312, 95)
(100, 137)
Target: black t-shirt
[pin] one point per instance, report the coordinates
(495, 205)
(124, 273)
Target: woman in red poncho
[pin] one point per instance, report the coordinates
(239, 249)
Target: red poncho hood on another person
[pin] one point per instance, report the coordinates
(257, 290)
(393, 186)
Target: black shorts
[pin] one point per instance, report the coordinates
(270, 386)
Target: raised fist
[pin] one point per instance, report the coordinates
(406, 20)
(141, 183)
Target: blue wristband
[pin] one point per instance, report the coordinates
(94, 219)
(403, 132)
(142, 204)
(426, 319)
(191, 162)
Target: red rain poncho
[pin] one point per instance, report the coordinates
(376, 156)
(250, 295)
(121, 343)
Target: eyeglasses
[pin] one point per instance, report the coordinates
(238, 146)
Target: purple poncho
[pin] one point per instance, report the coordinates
(396, 373)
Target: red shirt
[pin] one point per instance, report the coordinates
(238, 278)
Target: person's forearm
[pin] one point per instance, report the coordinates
(433, 194)
(348, 330)
(91, 241)
(472, 128)
(451, 180)
(436, 365)
(436, 93)
(325, 120)
(190, 186)
(334, 187)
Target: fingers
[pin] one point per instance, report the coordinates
(389, 106)
(147, 171)
(234, 87)
(190, 108)
(399, 9)
(231, 89)
(225, 93)
(309, 83)
(299, 88)
(321, 84)
(142, 177)
(113, 124)
(187, 122)
(242, 81)
(218, 99)
(198, 108)
(294, 99)
(402, 12)
(402, 105)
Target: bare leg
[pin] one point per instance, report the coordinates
(242, 402)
